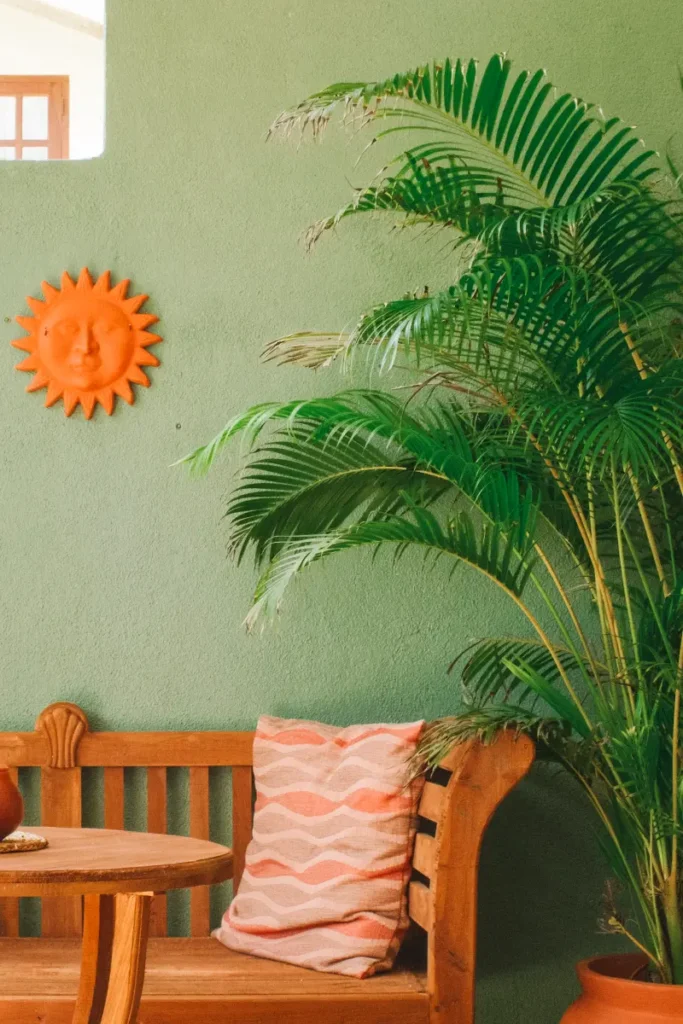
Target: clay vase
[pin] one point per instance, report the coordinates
(11, 804)
(610, 996)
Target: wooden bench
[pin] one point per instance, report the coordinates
(195, 979)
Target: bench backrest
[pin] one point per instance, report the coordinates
(456, 806)
(62, 746)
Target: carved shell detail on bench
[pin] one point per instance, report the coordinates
(63, 726)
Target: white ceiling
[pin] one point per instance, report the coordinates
(80, 15)
(93, 9)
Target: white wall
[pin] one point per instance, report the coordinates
(33, 45)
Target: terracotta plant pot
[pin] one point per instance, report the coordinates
(11, 804)
(610, 996)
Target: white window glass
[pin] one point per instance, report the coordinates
(34, 123)
(7, 153)
(8, 117)
(35, 152)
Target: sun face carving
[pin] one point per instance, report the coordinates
(87, 343)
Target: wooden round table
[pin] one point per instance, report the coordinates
(118, 873)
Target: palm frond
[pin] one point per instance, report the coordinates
(486, 673)
(505, 556)
(515, 139)
(296, 486)
(313, 350)
(484, 723)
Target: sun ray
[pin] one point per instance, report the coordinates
(30, 363)
(133, 304)
(103, 283)
(36, 306)
(87, 403)
(71, 400)
(137, 376)
(54, 392)
(123, 389)
(146, 338)
(145, 358)
(41, 380)
(142, 320)
(120, 290)
(25, 344)
(87, 343)
(106, 400)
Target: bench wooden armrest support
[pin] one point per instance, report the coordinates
(195, 980)
(482, 776)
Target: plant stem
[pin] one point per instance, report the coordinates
(625, 583)
(649, 533)
(550, 569)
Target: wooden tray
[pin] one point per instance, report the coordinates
(22, 842)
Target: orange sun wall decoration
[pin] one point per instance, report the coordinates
(87, 343)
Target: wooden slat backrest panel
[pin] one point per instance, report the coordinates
(424, 856)
(62, 745)
(157, 821)
(432, 801)
(199, 829)
(63, 725)
(60, 804)
(476, 779)
(242, 817)
(114, 796)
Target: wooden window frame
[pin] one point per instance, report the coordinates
(56, 88)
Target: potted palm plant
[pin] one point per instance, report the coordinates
(542, 429)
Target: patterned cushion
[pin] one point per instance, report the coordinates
(325, 883)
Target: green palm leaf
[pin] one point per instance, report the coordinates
(522, 133)
(505, 556)
(486, 673)
(295, 486)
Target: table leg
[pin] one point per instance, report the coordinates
(114, 951)
(98, 937)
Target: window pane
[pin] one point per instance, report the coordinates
(8, 153)
(35, 152)
(35, 117)
(8, 116)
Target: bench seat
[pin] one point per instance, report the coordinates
(199, 979)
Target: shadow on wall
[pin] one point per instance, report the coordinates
(541, 880)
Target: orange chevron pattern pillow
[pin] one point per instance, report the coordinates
(325, 883)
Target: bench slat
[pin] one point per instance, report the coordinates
(9, 908)
(420, 905)
(431, 804)
(9, 918)
(242, 811)
(136, 749)
(165, 749)
(199, 829)
(113, 798)
(60, 804)
(424, 855)
(157, 818)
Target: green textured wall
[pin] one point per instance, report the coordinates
(116, 591)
